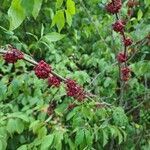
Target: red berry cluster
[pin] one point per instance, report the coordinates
(121, 57)
(132, 3)
(53, 81)
(42, 70)
(127, 42)
(13, 55)
(119, 26)
(74, 90)
(114, 7)
(125, 73)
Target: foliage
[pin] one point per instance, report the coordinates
(76, 38)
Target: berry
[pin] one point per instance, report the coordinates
(117, 3)
(121, 57)
(13, 55)
(74, 90)
(127, 42)
(118, 26)
(111, 8)
(51, 107)
(125, 73)
(42, 70)
(130, 3)
(53, 81)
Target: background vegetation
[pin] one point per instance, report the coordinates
(76, 38)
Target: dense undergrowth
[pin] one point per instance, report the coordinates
(77, 39)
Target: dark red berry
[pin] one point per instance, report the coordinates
(53, 81)
(111, 8)
(118, 26)
(74, 90)
(117, 3)
(130, 3)
(121, 57)
(127, 42)
(51, 108)
(13, 55)
(125, 72)
(42, 70)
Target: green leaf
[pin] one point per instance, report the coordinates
(11, 126)
(68, 17)
(3, 132)
(3, 144)
(59, 20)
(71, 114)
(58, 137)
(79, 137)
(3, 90)
(20, 115)
(59, 3)
(35, 125)
(89, 137)
(71, 6)
(120, 137)
(16, 14)
(28, 6)
(147, 2)
(105, 137)
(19, 126)
(41, 132)
(107, 82)
(124, 134)
(53, 37)
(140, 14)
(23, 147)
(71, 144)
(141, 68)
(15, 125)
(47, 141)
(36, 8)
(112, 130)
(42, 30)
(119, 117)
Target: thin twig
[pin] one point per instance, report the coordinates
(134, 108)
(33, 62)
(122, 83)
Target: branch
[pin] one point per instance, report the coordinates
(134, 108)
(34, 63)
